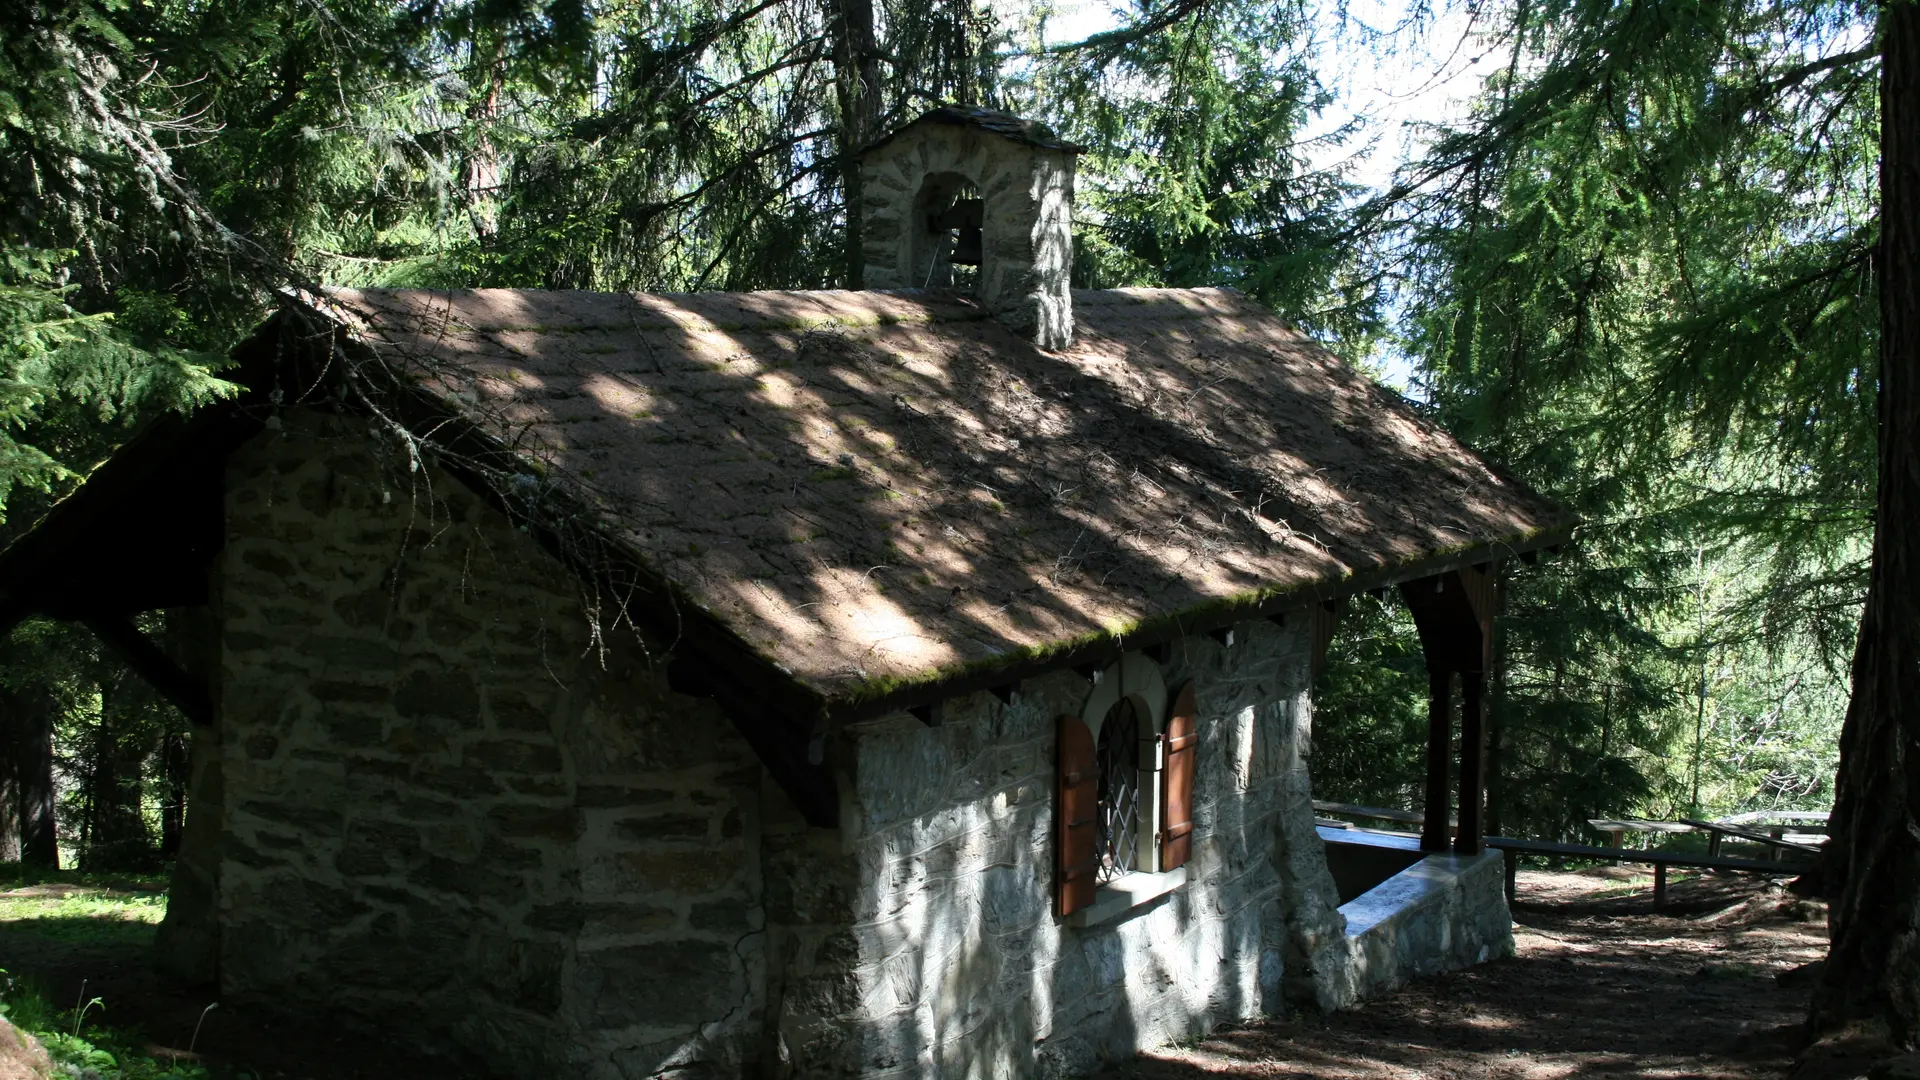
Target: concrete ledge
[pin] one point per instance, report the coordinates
(1123, 894)
(1443, 913)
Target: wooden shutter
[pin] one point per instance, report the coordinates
(1180, 743)
(1076, 810)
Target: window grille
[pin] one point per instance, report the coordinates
(1119, 814)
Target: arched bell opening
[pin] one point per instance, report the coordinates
(947, 219)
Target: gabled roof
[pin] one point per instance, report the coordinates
(1004, 124)
(884, 492)
(834, 504)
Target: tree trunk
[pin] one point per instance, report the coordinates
(28, 716)
(9, 792)
(183, 635)
(174, 765)
(962, 57)
(482, 168)
(1873, 966)
(116, 830)
(857, 85)
(187, 945)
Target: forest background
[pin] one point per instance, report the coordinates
(1636, 269)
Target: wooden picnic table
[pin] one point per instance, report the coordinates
(1787, 817)
(1617, 827)
(1773, 838)
(1661, 860)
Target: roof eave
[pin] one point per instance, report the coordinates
(872, 700)
(779, 714)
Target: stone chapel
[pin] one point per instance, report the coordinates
(910, 682)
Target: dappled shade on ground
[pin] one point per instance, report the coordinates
(1602, 986)
(83, 914)
(82, 937)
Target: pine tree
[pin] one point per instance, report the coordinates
(1873, 967)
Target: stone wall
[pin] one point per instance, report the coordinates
(954, 964)
(450, 809)
(1026, 234)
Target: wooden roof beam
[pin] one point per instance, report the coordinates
(185, 691)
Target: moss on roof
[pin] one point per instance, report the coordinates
(877, 490)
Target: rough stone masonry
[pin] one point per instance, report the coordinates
(1026, 231)
(955, 962)
(450, 807)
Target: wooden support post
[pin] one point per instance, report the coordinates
(1433, 831)
(1513, 874)
(1473, 788)
(1659, 885)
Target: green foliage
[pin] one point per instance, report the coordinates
(70, 384)
(1197, 172)
(1645, 282)
(1641, 278)
(1370, 710)
(83, 1048)
(110, 733)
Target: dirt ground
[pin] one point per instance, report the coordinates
(1603, 986)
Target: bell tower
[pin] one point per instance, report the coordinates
(966, 197)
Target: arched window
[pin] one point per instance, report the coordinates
(1117, 833)
(1124, 783)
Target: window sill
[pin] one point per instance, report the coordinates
(1123, 894)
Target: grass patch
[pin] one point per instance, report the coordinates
(80, 908)
(87, 909)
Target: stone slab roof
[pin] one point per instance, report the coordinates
(1004, 124)
(878, 489)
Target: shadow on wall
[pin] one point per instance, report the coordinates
(963, 968)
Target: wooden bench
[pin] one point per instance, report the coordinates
(1804, 820)
(1660, 860)
(1617, 828)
